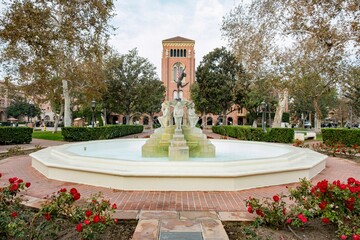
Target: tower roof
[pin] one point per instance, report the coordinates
(178, 39)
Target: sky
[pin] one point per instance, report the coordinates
(143, 24)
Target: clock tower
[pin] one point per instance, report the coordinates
(178, 54)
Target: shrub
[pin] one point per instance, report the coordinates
(15, 135)
(348, 137)
(107, 132)
(282, 135)
(334, 203)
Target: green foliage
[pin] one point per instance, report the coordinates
(24, 108)
(48, 135)
(347, 137)
(285, 117)
(216, 77)
(282, 135)
(15, 135)
(72, 134)
(132, 85)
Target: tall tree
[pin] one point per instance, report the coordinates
(319, 32)
(351, 87)
(55, 47)
(128, 77)
(216, 78)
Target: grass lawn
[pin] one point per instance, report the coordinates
(48, 135)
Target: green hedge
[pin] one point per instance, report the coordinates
(15, 135)
(281, 135)
(72, 134)
(348, 137)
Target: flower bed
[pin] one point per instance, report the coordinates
(334, 203)
(90, 220)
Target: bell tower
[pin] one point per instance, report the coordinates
(178, 54)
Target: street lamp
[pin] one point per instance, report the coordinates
(93, 105)
(263, 108)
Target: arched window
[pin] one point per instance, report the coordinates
(209, 121)
(177, 52)
(184, 52)
(146, 121)
(171, 52)
(240, 121)
(181, 52)
(230, 121)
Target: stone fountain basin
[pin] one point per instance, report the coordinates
(118, 164)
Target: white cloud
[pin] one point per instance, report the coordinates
(144, 24)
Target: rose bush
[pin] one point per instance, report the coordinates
(334, 203)
(92, 217)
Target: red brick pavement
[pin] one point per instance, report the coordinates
(20, 166)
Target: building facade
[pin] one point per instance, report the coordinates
(178, 53)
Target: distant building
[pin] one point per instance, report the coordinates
(179, 53)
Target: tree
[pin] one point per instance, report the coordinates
(127, 77)
(319, 32)
(216, 77)
(150, 95)
(56, 47)
(351, 87)
(23, 108)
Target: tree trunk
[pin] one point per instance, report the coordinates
(57, 118)
(67, 112)
(282, 96)
(318, 115)
(103, 116)
(127, 117)
(204, 123)
(151, 120)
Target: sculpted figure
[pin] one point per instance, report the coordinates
(179, 82)
(164, 119)
(192, 116)
(178, 115)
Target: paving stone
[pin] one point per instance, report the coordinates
(175, 225)
(129, 214)
(146, 230)
(158, 215)
(34, 202)
(236, 216)
(213, 229)
(181, 235)
(198, 215)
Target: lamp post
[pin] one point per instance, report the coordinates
(93, 105)
(263, 108)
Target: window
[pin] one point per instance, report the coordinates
(171, 53)
(184, 52)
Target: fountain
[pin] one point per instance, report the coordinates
(178, 157)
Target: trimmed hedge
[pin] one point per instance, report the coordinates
(348, 137)
(73, 134)
(281, 135)
(15, 135)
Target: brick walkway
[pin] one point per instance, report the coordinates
(226, 205)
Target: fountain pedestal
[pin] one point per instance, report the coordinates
(178, 149)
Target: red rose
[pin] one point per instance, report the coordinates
(27, 184)
(14, 214)
(20, 180)
(114, 206)
(322, 205)
(62, 190)
(343, 237)
(116, 220)
(87, 222)
(14, 187)
(325, 220)
(351, 180)
(250, 210)
(11, 180)
(88, 213)
(302, 218)
(0, 175)
(276, 198)
(76, 196)
(284, 211)
(73, 191)
(288, 221)
(356, 237)
(79, 227)
(47, 216)
(96, 219)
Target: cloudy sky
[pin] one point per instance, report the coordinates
(143, 24)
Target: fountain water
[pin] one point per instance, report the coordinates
(178, 157)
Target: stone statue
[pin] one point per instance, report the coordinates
(164, 119)
(179, 82)
(178, 115)
(192, 116)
